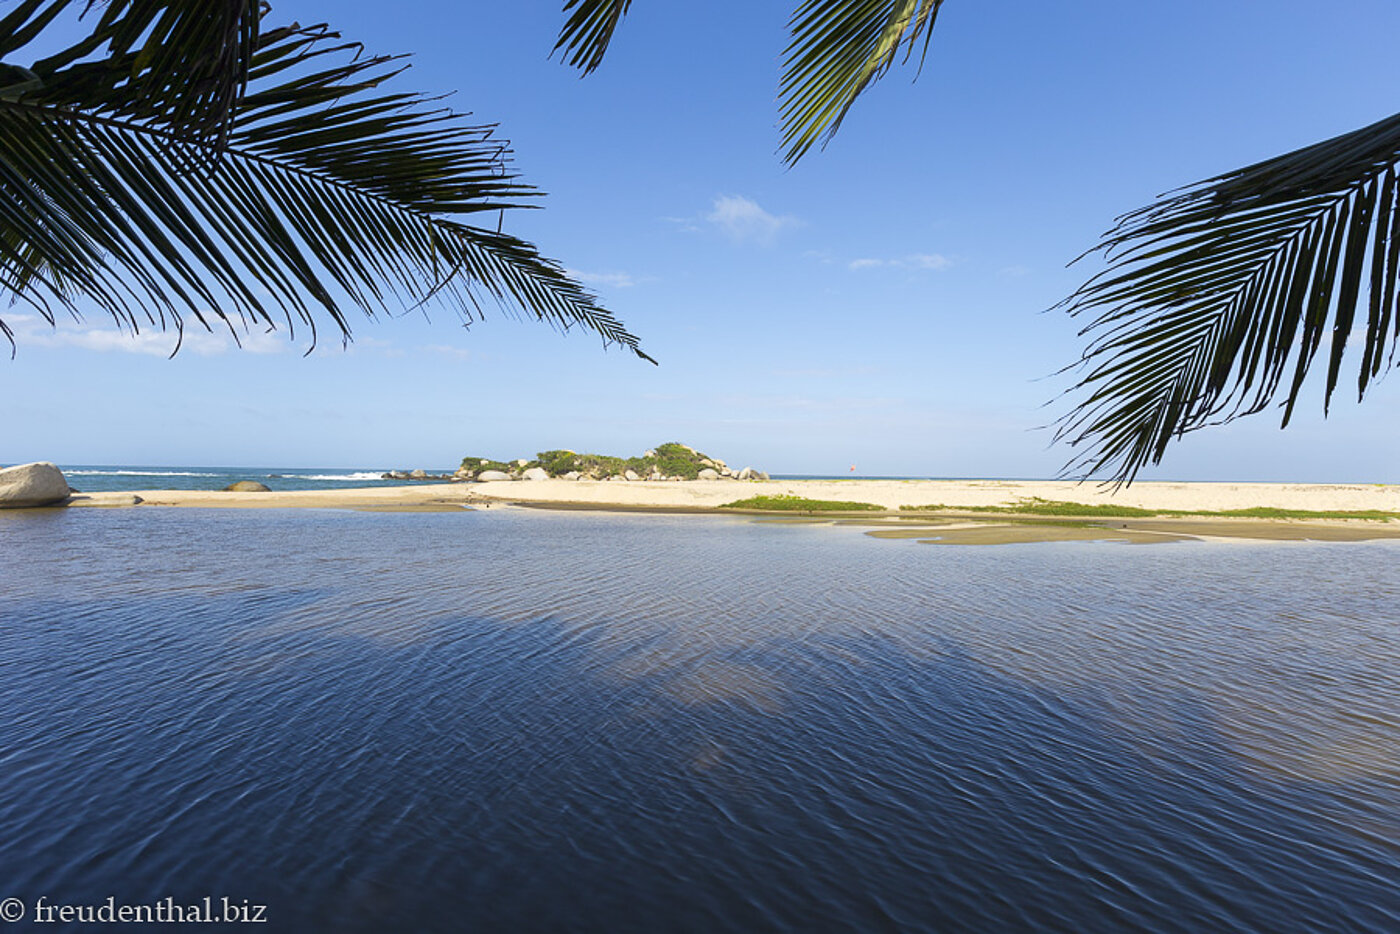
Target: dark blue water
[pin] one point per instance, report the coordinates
(507, 720)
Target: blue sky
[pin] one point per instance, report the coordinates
(882, 304)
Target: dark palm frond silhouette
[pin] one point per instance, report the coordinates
(1218, 299)
(185, 162)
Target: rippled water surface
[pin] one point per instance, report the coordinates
(505, 720)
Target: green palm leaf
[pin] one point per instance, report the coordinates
(838, 48)
(315, 191)
(1218, 292)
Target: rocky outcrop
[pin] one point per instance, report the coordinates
(670, 461)
(421, 474)
(37, 484)
(246, 486)
(535, 473)
(487, 475)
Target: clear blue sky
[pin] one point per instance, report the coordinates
(881, 304)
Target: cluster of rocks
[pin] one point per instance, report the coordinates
(418, 474)
(539, 473)
(592, 467)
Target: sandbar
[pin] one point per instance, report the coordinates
(705, 496)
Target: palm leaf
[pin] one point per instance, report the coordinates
(838, 48)
(588, 30)
(1220, 291)
(184, 63)
(330, 192)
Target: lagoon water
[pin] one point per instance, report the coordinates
(505, 720)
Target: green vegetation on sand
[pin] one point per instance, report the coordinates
(800, 504)
(1036, 506)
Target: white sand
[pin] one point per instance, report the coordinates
(892, 494)
(703, 494)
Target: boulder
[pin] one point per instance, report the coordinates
(38, 484)
(419, 474)
(708, 474)
(246, 486)
(486, 475)
(746, 473)
(571, 475)
(631, 475)
(535, 473)
(521, 462)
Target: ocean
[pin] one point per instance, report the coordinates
(98, 478)
(95, 478)
(517, 720)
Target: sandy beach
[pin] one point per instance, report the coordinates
(709, 494)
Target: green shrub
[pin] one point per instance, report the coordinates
(1036, 506)
(556, 463)
(800, 504)
(476, 465)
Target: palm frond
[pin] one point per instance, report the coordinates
(1218, 291)
(838, 48)
(588, 30)
(183, 62)
(331, 192)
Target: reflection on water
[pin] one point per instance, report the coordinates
(505, 721)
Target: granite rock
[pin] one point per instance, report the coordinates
(246, 486)
(37, 484)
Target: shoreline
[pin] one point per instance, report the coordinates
(951, 522)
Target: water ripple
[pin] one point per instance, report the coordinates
(574, 721)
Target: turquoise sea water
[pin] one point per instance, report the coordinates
(509, 720)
